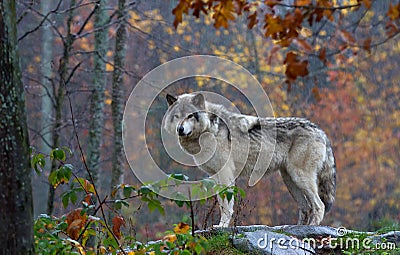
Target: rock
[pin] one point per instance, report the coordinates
(298, 239)
(269, 242)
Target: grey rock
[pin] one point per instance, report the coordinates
(298, 239)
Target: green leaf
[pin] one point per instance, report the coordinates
(66, 149)
(198, 249)
(58, 154)
(208, 184)
(144, 190)
(154, 204)
(38, 162)
(65, 199)
(186, 252)
(179, 203)
(229, 195)
(53, 177)
(127, 191)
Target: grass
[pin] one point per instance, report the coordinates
(222, 245)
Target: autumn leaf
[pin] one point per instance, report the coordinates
(76, 221)
(316, 94)
(252, 20)
(198, 6)
(179, 10)
(347, 36)
(181, 228)
(367, 45)
(223, 13)
(294, 66)
(273, 26)
(170, 238)
(322, 54)
(367, 3)
(303, 2)
(394, 11)
(86, 185)
(117, 222)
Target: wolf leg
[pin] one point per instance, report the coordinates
(226, 209)
(307, 188)
(304, 206)
(225, 177)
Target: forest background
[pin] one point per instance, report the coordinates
(339, 68)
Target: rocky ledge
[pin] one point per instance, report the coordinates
(297, 239)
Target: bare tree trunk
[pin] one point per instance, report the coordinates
(59, 97)
(40, 192)
(16, 211)
(97, 98)
(117, 96)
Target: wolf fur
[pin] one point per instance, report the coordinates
(300, 151)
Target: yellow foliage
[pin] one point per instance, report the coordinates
(170, 238)
(181, 228)
(109, 67)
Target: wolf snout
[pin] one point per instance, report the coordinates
(181, 130)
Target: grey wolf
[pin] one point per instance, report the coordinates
(295, 147)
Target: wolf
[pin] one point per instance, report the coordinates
(295, 147)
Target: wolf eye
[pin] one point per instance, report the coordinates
(176, 116)
(190, 116)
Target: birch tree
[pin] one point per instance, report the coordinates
(117, 96)
(99, 83)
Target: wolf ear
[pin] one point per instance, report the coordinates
(198, 100)
(171, 99)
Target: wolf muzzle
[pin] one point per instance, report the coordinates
(181, 131)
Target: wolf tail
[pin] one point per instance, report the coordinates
(327, 179)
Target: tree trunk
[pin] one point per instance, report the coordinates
(16, 211)
(117, 97)
(59, 97)
(40, 192)
(97, 98)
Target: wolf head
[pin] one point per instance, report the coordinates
(186, 115)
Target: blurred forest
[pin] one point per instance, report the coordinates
(342, 72)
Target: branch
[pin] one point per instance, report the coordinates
(45, 18)
(314, 7)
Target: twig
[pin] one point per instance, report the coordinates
(191, 211)
(89, 173)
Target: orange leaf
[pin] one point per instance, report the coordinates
(170, 238)
(179, 10)
(322, 54)
(198, 6)
(117, 222)
(294, 66)
(315, 92)
(223, 13)
(252, 18)
(394, 11)
(367, 3)
(303, 2)
(76, 222)
(367, 44)
(181, 228)
(347, 36)
(88, 198)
